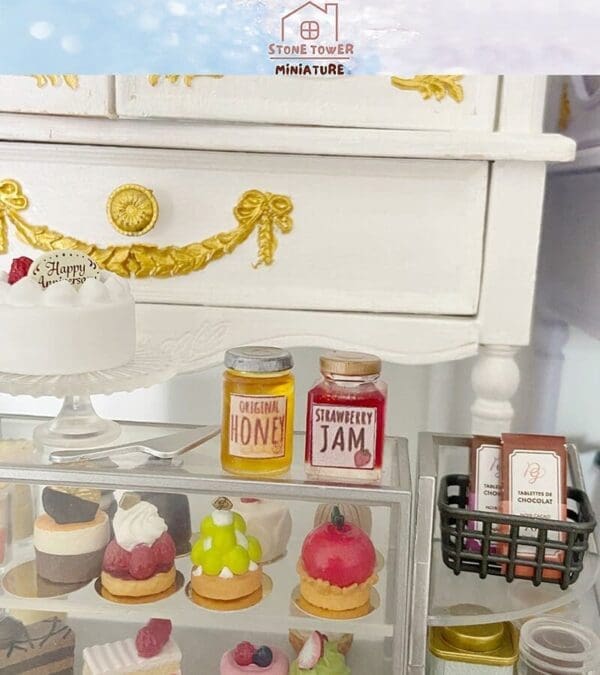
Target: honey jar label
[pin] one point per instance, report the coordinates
(257, 426)
(343, 436)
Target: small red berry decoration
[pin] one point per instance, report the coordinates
(141, 563)
(362, 458)
(153, 637)
(312, 651)
(19, 269)
(116, 559)
(163, 550)
(243, 654)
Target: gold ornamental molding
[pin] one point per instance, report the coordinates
(564, 110)
(155, 80)
(72, 81)
(132, 209)
(432, 86)
(266, 212)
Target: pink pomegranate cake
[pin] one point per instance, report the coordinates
(246, 658)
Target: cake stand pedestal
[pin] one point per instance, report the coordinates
(77, 425)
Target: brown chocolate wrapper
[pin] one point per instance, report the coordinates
(533, 442)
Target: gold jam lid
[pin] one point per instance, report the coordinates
(490, 644)
(349, 363)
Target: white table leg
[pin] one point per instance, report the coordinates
(495, 379)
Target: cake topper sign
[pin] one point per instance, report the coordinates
(70, 266)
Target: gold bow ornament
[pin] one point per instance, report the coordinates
(255, 209)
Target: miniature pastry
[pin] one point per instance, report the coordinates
(319, 657)
(64, 327)
(175, 511)
(356, 514)
(139, 561)
(43, 647)
(21, 502)
(70, 537)
(269, 521)
(246, 658)
(342, 641)
(227, 561)
(337, 566)
(152, 653)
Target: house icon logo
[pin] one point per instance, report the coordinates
(311, 22)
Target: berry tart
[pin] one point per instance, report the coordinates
(269, 521)
(226, 560)
(70, 537)
(337, 567)
(246, 658)
(63, 324)
(139, 561)
(319, 656)
(153, 652)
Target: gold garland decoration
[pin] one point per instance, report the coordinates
(269, 212)
(72, 81)
(436, 86)
(154, 80)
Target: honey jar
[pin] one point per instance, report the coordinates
(258, 411)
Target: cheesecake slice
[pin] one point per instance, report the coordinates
(121, 658)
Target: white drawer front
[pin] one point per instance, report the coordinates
(382, 235)
(58, 94)
(353, 101)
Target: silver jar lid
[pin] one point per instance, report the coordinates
(258, 359)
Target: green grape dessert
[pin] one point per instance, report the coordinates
(226, 559)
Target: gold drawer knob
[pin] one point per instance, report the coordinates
(132, 209)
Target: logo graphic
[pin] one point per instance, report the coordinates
(311, 22)
(533, 472)
(310, 42)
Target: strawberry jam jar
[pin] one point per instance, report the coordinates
(345, 418)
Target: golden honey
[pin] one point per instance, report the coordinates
(257, 434)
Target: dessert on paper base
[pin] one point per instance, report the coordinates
(139, 561)
(337, 569)
(269, 521)
(226, 560)
(319, 656)
(247, 658)
(62, 315)
(153, 652)
(46, 646)
(71, 536)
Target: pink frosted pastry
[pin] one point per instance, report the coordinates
(246, 658)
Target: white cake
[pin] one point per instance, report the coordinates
(59, 330)
(269, 521)
(118, 658)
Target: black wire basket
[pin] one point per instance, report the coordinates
(515, 547)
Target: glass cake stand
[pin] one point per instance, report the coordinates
(77, 425)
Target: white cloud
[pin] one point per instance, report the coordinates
(177, 8)
(41, 30)
(71, 44)
(172, 39)
(149, 22)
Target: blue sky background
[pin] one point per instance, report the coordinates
(142, 36)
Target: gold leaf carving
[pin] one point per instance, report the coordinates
(72, 81)
(269, 212)
(436, 86)
(564, 112)
(132, 209)
(154, 80)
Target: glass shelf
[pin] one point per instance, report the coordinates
(199, 470)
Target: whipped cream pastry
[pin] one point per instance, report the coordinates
(141, 524)
(62, 330)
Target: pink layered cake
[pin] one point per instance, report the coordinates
(246, 658)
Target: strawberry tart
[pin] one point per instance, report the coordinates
(139, 561)
(337, 566)
(226, 560)
(153, 652)
(64, 327)
(319, 656)
(246, 658)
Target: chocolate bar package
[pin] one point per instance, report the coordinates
(534, 484)
(485, 487)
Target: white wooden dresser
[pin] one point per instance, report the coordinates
(394, 215)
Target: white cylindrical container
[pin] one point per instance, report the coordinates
(555, 647)
(485, 649)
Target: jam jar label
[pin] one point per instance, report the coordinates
(343, 436)
(257, 426)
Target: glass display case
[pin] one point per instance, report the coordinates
(278, 615)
